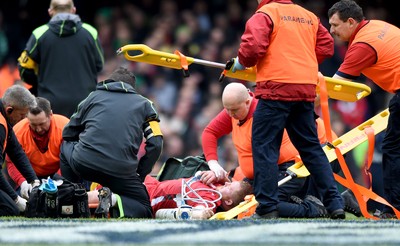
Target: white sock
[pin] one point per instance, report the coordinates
(113, 200)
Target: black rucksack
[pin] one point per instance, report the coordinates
(175, 168)
(72, 202)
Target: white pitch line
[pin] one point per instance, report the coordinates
(294, 233)
(307, 232)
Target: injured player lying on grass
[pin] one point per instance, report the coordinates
(204, 200)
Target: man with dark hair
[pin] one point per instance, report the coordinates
(14, 105)
(62, 58)
(40, 135)
(374, 52)
(102, 140)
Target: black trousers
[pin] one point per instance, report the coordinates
(269, 120)
(286, 207)
(391, 155)
(7, 205)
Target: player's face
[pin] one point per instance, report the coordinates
(229, 188)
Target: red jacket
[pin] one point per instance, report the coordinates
(162, 194)
(254, 44)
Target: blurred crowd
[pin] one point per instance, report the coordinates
(208, 30)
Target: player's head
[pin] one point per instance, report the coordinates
(233, 193)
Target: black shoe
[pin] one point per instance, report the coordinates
(296, 199)
(322, 212)
(104, 203)
(267, 216)
(338, 214)
(350, 203)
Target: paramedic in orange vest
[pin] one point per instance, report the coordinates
(286, 42)
(14, 106)
(237, 118)
(40, 135)
(374, 52)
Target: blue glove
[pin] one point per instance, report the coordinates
(236, 65)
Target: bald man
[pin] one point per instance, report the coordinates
(237, 118)
(69, 55)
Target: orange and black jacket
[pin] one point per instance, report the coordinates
(9, 145)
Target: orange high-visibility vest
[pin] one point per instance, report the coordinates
(385, 39)
(241, 137)
(3, 122)
(48, 162)
(293, 27)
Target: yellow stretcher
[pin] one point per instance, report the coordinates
(337, 89)
(345, 143)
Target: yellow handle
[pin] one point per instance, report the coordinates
(142, 53)
(249, 74)
(346, 90)
(337, 89)
(299, 169)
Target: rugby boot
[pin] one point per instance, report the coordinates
(103, 208)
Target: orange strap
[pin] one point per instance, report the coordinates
(348, 177)
(369, 131)
(361, 193)
(222, 75)
(184, 63)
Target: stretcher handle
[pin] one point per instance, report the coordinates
(358, 89)
(337, 89)
(143, 53)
